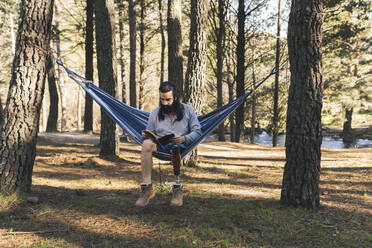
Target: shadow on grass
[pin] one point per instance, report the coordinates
(107, 218)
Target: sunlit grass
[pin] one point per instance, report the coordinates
(7, 201)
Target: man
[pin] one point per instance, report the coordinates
(171, 117)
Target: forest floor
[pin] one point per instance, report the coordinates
(231, 200)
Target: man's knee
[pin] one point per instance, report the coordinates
(148, 146)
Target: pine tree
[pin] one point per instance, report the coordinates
(304, 134)
(88, 111)
(175, 59)
(195, 72)
(106, 63)
(19, 129)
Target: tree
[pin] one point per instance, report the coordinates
(142, 29)
(162, 41)
(217, 21)
(303, 133)
(346, 43)
(53, 97)
(133, 49)
(276, 87)
(253, 95)
(122, 53)
(19, 129)
(175, 59)
(106, 64)
(88, 111)
(195, 73)
(240, 75)
(61, 82)
(1, 111)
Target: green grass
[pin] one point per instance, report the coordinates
(11, 200)
(103, 214)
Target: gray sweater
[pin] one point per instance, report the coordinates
(189, 126)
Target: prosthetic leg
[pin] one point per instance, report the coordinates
(177, 196)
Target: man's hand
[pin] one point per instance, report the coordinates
(145, 135)
(178, 139)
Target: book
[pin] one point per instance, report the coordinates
(159, 140)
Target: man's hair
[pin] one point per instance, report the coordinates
(169, 86)
(177, 106)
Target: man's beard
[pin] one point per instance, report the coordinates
(169, 109)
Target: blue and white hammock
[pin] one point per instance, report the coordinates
(133, 120)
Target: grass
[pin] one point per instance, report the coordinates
(230, 201)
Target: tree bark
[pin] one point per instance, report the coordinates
(240, 74)
(162, 58)
(133, 49)
(195, 73)
(220, 59)
(106, 63)
(1, 111)
(230, 81)
(175, 59)
(61, 81)
(303, 135)
(122, 52)
(276, 87)
(88, 111)
(253, 117)
(141, 83)
(53, 95)
(18, 132)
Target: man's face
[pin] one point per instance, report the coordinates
(167, 103)
(166, 98)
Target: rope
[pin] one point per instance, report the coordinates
(33, 41)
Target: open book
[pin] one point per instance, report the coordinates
(159, 140)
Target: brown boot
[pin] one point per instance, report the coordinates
(177, 196)
(147, 194)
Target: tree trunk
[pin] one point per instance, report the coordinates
(240, 54)
(253, 117)
(78, 112)
(18, 132)
(133, 48)
(220, 58)
(106, 64)
(88, 111)
(61, 81)
(122, 53)
(53, 97)
(276, 87)
(175, 59)
(304, 131)
(230, 81)
(347, 132)
(195, 73)
(1, 112)
(122, 58)
(357, 54)
(142, 56)
(162, 58)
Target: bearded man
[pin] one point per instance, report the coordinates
(172, 117)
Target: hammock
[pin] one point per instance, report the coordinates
(133, 120)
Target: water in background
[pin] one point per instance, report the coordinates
(328, 142)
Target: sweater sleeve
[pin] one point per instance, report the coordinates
(194, 127)
(151, 124)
